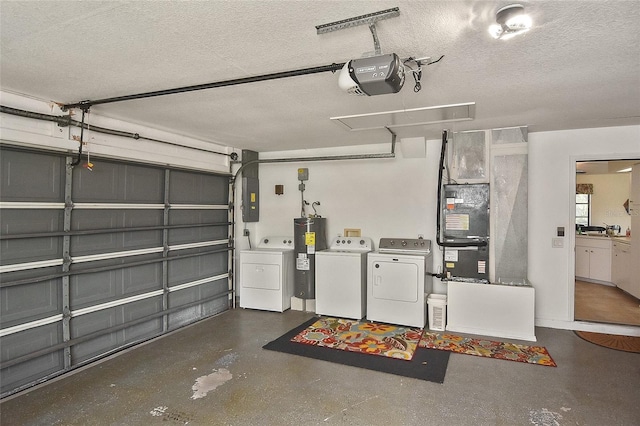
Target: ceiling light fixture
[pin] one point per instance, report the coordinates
(510, 21)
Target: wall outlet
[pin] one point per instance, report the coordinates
(245, 233)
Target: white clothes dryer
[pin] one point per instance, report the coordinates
(399, 281)
(341, 278)
(266, 275)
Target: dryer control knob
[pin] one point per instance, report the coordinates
(361, 242)
(404, 243)
(266, 240)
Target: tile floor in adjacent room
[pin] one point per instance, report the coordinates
(154, 384)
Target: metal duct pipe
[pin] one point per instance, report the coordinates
(391, 154)
(66, 120)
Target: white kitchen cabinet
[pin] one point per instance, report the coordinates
(621, 266)
(593, 258)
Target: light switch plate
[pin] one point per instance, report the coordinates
(557, 242)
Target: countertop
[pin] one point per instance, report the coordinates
(620, 238)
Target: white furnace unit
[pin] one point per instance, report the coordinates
(398, 281)
(266, 275)
(341, 278)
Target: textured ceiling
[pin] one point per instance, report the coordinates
(578, 67)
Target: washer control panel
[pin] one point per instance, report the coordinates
(351, 243)
(276, 243)
(404, 245)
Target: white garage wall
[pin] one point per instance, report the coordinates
(397, 197)
(383, 197)
(552, 157)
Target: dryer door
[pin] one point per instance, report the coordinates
(395, 280)
(260, 275)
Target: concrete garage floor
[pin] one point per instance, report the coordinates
(153, 384)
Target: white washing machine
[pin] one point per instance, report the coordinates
(341, 278)
(266, 275)
(399, 281)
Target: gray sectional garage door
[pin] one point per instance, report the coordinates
(95, 261)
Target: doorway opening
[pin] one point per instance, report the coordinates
(602, 218)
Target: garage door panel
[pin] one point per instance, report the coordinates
(116, 242)
(114, 182)
(31, 371)
(31, 250)
(93, 289)
(141, 308)
(183, 317)
(195, 217)
(143, 185)
(140, 279)
(193, 268)
(183, 297)
(143, 331)
(115, 262)
(94, 244)
(214, 307)
(27, 176)
(103, 184)
(28, 275)
(118, 278)
(93, 219)
(213, 264)
(24, 343)
(30, 340)
(96, 219)
(93, 348)
(30, 302)
(24, 221)
(213, 288)
(94, 322)
(190, 188)
(194, 235)
(141, 239)
(145, 217)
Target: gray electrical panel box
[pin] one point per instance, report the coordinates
(250, 199)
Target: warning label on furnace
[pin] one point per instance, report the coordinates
(457, 222)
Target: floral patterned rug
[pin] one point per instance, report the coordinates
(360, 336)
(487, 348)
